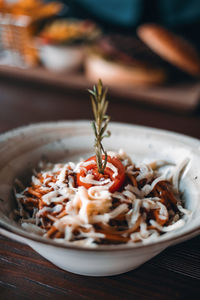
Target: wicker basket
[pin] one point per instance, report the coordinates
(19, 27)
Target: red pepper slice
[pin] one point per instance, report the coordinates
(118, 180)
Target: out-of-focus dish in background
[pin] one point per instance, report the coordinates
(62, 43)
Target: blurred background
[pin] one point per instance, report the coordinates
(125, 16)
(73, 43)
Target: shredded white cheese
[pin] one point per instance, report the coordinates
(76, 212)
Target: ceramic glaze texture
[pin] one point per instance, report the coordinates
(22, 149)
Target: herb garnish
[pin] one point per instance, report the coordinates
(99, 106)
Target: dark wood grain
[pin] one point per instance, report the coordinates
(174, 274)
(181, 95)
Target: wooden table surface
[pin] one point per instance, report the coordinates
(24, 274)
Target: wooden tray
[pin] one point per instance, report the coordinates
(182, 96)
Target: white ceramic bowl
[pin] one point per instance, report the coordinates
(21, 150)
(60, 58)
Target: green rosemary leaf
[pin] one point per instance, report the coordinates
(99, 87)
(99, 161)
(105, 161)
(108, 134)
(100, 123)
(94, 128)
(94, 89)
(104, 109)
(103, 102)
(94, 107)
(103, 129)
(91, 92)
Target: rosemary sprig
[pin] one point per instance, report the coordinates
(100, 123)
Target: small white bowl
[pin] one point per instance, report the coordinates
(22, 149)
(61, 58)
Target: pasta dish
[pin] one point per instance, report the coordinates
(131, 203)
(106, 199)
